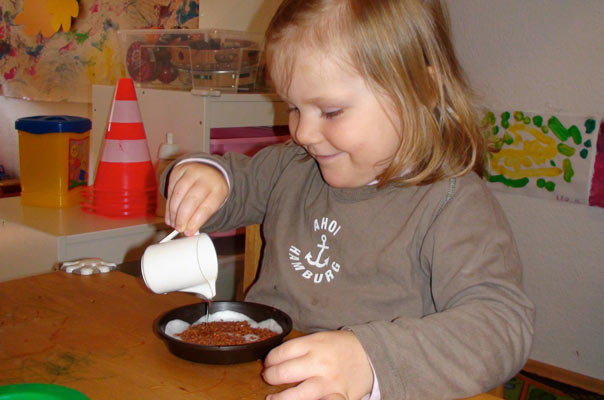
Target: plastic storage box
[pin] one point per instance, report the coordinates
(219, 60)
(53, 159)
(246, 140)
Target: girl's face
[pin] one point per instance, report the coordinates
(340, 122)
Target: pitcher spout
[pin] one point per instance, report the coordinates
(207, 290)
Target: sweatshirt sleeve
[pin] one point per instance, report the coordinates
(251, 180)
(481, 331)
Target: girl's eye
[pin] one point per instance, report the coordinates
(291, 109)
(332, 114)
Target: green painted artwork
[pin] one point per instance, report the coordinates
(543, 155)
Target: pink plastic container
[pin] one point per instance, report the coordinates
(248, 141)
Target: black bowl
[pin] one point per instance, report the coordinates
(223, 354)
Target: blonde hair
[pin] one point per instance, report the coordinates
(403, 49)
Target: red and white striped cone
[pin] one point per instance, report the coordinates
(125, 183)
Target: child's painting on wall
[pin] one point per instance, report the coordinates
(62, 66)
(547, 156)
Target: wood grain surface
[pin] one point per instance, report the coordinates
(95, 334)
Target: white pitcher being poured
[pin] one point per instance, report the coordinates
(188, 264)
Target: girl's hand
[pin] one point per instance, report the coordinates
(329, 365)
(195, 192)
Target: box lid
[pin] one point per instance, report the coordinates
(53, 123)
(249, 132)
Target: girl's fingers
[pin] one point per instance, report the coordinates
(292, 348)
(195, 192)
(329, 363)
(290, 371)
(175, 196)
(334, 396)
(175, 203)
(185, 198)
(310, 389)
(191, 202)
(199, 217)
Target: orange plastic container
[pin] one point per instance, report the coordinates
(53, 159)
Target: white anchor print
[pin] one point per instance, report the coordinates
(317, 262)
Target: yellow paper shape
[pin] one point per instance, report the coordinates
(36, 18)
(62, 11)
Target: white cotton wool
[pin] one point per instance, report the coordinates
(177, 326)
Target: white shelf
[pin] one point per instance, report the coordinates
(34, 240)
(68, 221)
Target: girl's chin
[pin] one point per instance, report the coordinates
(342, 182)
(341, 177)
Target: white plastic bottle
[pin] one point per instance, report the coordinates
(167, 153)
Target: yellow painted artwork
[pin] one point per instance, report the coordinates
(548, 156)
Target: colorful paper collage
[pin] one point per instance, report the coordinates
(547, 156)
(63, 66)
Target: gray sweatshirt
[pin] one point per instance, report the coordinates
(427, 277)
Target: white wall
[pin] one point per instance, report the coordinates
(547, 56)
(242, 15)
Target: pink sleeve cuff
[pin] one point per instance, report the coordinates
(375, 390)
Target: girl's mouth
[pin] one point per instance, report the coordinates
(322, 158)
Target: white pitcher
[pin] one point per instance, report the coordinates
(188, 264)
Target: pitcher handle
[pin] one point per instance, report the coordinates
(172, 235)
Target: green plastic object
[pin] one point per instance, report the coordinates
(39, 391)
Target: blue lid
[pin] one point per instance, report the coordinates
(53, 123)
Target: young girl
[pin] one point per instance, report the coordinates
(380, 237)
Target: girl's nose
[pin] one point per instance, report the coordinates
(305, 131)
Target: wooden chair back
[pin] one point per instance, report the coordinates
(251, 260)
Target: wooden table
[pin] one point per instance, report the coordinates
(95, 334)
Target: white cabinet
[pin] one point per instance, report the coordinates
(188, 115)
(33, 240)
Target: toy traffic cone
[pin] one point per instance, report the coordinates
(125, 183)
